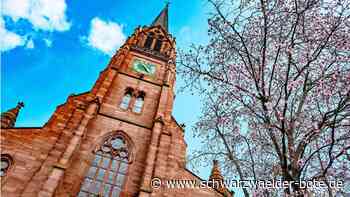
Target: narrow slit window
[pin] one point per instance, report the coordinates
(105, 177)
(139, 103)
(126, 99)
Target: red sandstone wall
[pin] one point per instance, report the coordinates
(29, 149)
(36, 151)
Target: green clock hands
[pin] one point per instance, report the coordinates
(146, 68)
(140, 67)
(143, 67)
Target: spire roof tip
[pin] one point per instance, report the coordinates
(162, 18)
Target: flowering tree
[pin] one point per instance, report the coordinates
(275, 81)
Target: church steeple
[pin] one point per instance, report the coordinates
(154, 40)
(218, 180)
(162, 18)
(8, 118)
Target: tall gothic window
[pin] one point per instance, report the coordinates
(5, 163)
(126, 99)
(149, 41)
(139, 103)
(158, 45)
(108, 170)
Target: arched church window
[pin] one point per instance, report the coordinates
(139, 103)
(126, 98)
(108, 171)
(5, 163)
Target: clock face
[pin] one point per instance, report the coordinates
(144, 67)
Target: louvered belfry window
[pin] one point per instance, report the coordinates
(158, 45)
(108, 171)
(149, 42)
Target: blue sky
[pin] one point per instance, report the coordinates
(51, 49)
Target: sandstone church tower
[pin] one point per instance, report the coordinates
(111, 140)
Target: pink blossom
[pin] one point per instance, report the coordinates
(300, 162)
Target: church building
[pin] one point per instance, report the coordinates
(112, 140)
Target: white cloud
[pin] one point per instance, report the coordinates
(9, 40)
(48, 42)
(47, 15)
(30, 44)
(106, 36)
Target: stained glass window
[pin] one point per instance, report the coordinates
(108, 171)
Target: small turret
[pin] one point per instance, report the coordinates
(215, 172)
(218, 180)
(8, 118)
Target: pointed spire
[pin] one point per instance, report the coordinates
(218, 180)
(162, 18)
(215, 171)
(8, 118)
